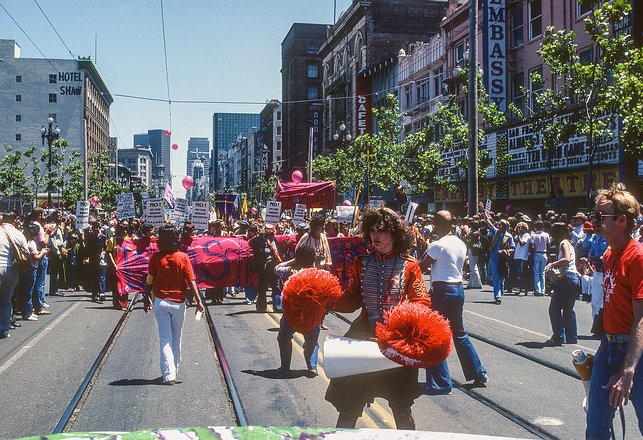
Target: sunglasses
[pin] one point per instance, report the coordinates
(598, 216)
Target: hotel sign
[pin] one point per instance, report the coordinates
(495, 56)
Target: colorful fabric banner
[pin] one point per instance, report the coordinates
(313, 195)
(221, 261)
(225, 207)
(169, 196)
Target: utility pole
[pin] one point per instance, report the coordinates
(473, 109)
(310, 155)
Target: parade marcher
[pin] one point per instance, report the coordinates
(501, 243)
(9, 274)
(56, 244)
(30, 299)
(304, 257)
(521, 256)
(381, 280)
(119, 300)
(540, 241)
(617, 375)
(577, 233)
(446, 257)
(474, 251)
(265, 258)
(566, 289)
(169, 275)
(316, 239)
(95, 255)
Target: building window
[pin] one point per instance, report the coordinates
(535, 86)
(313, 71)
(53, 97)
(278, 145)
(516, 23)
(459, 54)
(437, 81)
(18, 137)
(312, 48)
(18, 98)
(517, 85)
(535, 19)
(18, 118)
(278, 130)
(278, 115)
(313, 92)
(18, 78)
(586, 56)
(53, 79)
(582, 9)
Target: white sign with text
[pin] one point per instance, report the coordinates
(273, 212)
(125, 207)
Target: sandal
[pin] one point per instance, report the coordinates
(43, 312)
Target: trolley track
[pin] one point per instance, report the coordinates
(67, 420)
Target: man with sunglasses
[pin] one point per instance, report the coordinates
(618, 371)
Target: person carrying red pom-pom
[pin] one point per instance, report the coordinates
(380, 281)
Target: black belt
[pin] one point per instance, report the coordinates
(617, 339)
(540, 252)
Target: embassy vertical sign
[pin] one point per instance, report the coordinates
(495, 51)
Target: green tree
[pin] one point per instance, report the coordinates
(34, 160)
(13, 179)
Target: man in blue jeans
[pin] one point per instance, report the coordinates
(446, 257)
(618, 370)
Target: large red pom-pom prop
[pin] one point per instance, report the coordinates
(414, 335)
(307, 296)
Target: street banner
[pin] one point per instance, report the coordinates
(125, 207)
(225, 206)
(345, 213)
(222, 261)
(82, 214)
(410, 211)
(273, 211)
(300, 213)
(200, 215)
(169, 196)
(179, 214)
(153, 213)
(311, 194)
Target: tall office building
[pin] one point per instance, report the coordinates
(69, 91)
(159, 143)
(226, 128)
(198, 166)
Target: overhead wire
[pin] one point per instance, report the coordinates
(55, 30)
(167, 74)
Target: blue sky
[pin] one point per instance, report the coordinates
(217, 51)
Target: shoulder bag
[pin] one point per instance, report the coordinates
(19, 254)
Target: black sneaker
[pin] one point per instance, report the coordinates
(481, 380)
(101, 298)
(312, 372)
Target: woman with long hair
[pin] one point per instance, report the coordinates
(381, 280)
(169, 277)
(566, 289)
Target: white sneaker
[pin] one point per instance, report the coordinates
(45, 305)
(31, 317)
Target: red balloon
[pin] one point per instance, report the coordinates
(175, 146)
(94, 200)
(168, 132)
(187, 182)
(297, 176)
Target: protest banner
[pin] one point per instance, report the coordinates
(125, 207)
(200, 215)
(299, 214)
(410, 210)
(82, 214)
(154, 214)
(273, 211)
(179, 214)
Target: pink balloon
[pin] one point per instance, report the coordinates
(297, 176)
(94, 200)
(347, 203)
(168, 132)
(253, 210)
(175, 146)
(187, 182)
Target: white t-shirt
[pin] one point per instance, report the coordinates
(449, 253)
(522, 250)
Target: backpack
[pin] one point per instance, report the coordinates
(19, 254)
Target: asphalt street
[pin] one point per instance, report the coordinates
(44, 362)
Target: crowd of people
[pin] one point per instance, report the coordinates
(546, 254)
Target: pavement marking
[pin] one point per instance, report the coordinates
(517, 327)
(547, 421)
(385, 415)
(12, 360)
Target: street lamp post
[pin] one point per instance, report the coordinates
(51, 134)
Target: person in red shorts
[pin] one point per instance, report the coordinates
(170, 274)
(618, 370)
